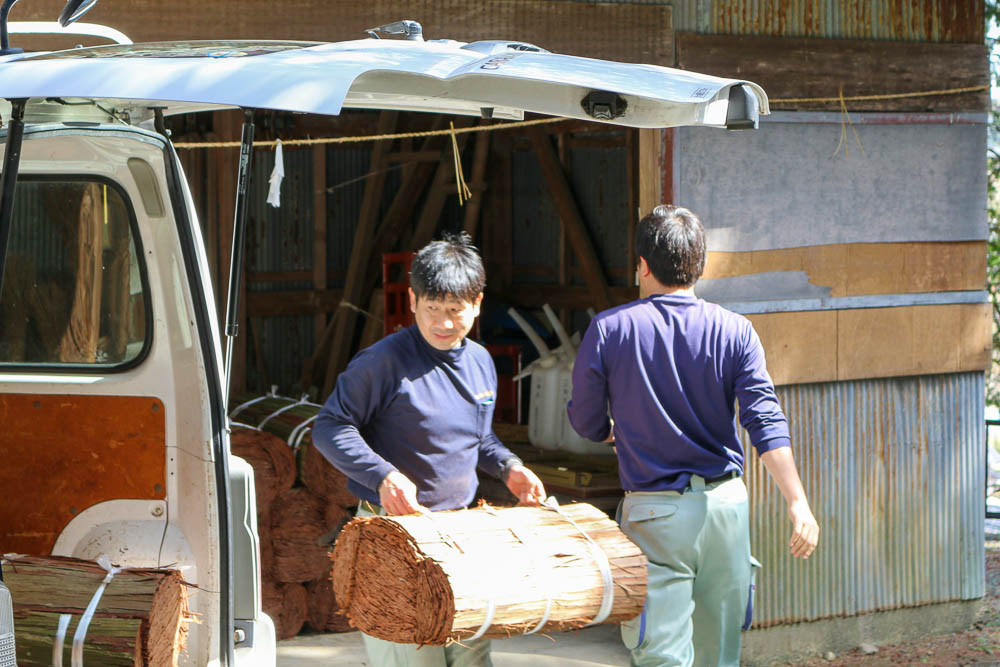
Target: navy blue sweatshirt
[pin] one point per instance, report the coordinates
(671, 368)
(404, 405)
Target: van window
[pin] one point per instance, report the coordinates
(73, 288)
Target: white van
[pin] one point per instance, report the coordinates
(114, 432)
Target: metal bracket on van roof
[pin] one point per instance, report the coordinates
(411, 29)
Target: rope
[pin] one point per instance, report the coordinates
(883, 96)
(371, 137)
(463, 190)
(601, 558)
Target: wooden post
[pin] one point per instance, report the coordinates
(319, 231)
(650, 170)
(569, 214)
(478, 182)
(345, 318)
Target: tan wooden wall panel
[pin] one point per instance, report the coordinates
(832, 345)
(63, 454)
(617, 31)
(857, 269)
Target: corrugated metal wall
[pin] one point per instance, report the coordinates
(960, 21)
(894, 469)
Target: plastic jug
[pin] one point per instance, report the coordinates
(569, 439)
(544, 430)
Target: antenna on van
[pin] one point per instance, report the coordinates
(73, 10)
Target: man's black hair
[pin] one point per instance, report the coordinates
(450, 267)
(672, 241)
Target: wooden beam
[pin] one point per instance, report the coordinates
(650, 170)
(345, 318)
(439, 191)
(477, 185)
(569, 214)
(319, 276)
(293, 302)
(794, 68)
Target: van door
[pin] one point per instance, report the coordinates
(109, 369)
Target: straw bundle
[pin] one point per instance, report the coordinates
(141, 618)
(298, 526)
(292, 420)
(434, 579)
(324, 614)
(321, 477)
(287, 605)
(272, 461)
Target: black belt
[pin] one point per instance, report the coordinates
(732, 474)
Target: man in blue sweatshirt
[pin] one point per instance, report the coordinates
(671, 368)
(410, 420)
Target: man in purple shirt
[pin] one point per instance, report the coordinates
(671, 368)
(411, 419)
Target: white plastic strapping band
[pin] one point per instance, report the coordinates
(491, 609)
(81, 629)
(60, 639)
(299, 432)
(302, 401)
(601, 558)
(278, 173)
(243, 406)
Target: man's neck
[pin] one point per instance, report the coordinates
(673, 290)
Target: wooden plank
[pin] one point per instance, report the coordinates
(319, 271)
(497, 232)
(807, 67)
(650, 170)
(441, 187)
(569, 214)
(293, 302)
(345, 318)
(799, 347)
(828, 346)
(858, 269)
(477, 183)
(125, 457)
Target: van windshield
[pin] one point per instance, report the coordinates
(73, 290)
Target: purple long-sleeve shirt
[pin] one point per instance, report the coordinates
(404, 405)
(671, 368)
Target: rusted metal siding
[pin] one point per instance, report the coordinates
(894, 472)
(960, 21)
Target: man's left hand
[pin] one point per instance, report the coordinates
(525, 485)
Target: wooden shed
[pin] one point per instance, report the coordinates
(850, 228)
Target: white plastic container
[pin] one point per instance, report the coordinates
(544, 429)
(568, 438)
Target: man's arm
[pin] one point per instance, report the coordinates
(765, 422)
(336, 434)
(805, 530)
(588, 408)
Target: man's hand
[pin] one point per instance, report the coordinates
(398, 495)
(805, 530)
(525, 485)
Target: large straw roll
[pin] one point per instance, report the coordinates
(433, 579)
(272, 460)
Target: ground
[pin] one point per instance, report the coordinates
(979, 645)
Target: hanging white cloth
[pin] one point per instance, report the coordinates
(278, 173)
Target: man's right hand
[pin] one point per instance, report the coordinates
(398, 495)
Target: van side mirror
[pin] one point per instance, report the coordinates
(74, 9)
